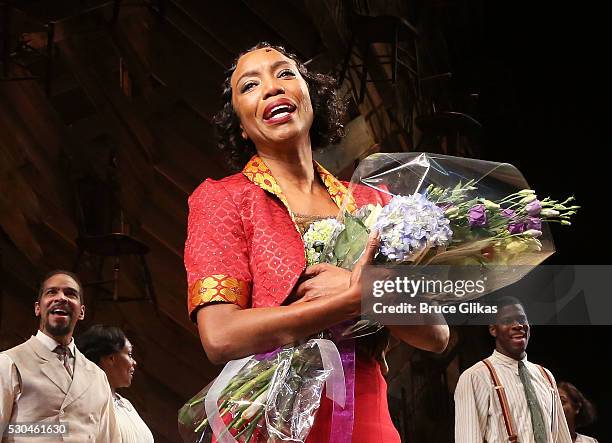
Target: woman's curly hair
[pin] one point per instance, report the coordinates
(587, 413)
(327, 106)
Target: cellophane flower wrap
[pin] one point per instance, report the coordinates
(266, 397)
(444, 210)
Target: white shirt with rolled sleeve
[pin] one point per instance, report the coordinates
(478, 414)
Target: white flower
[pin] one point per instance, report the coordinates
(532, 233)
(549, 212)
(374, 213)
(257, 404)
(452, 211)
(528, 199)
(319, 235)
(489, 204)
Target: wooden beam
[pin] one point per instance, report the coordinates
(295, 29)
(228, 17)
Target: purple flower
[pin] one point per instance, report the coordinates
(268, 355)
(516, 228)
(477, 215)
(533, 208)
(534, 223)
(509, 213)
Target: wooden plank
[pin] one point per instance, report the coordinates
(27, 100)
(169, 231)
(30, 140)
(229, 17)
(328, 18)
(168, 268)
(185, 24)
(186, 137)
(169, 281)
(201, 135)
(15, 217)
(173, 174)
(135, 170)
(88, 128)
(17, 314)
(170, 200)
(58, 221)
(164, 53)
(57, 252)
(292, 25)
(17, 272)
(18, 193)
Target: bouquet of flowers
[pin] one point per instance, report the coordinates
(432, 209)
(441, 210)
(268, 397)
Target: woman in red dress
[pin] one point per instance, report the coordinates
(244, 252)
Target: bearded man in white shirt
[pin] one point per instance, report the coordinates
(506, 398)
(46, 383)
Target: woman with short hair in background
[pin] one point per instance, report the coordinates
(579, 412)
(109, 348)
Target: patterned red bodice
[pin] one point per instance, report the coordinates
(242, 245)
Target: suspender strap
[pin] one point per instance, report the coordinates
(503, 402)
(546, 376)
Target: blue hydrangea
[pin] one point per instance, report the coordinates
(408, 223)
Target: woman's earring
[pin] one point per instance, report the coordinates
(244, 135)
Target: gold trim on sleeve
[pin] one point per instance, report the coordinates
(219, 288)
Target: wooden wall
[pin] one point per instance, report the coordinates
(145, 89)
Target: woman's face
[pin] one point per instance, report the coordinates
(271, 99)
(120, 366)
(569, 408)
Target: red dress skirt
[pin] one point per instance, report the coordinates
(372, 420)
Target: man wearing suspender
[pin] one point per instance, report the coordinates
(506, 398)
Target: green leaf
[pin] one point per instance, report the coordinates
(351, 242)
(318, 246)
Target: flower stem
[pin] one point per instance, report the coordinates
(250, 384)
(253, 426)
(242, 420)
(235, 420)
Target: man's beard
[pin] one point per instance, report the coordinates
(57, 330)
